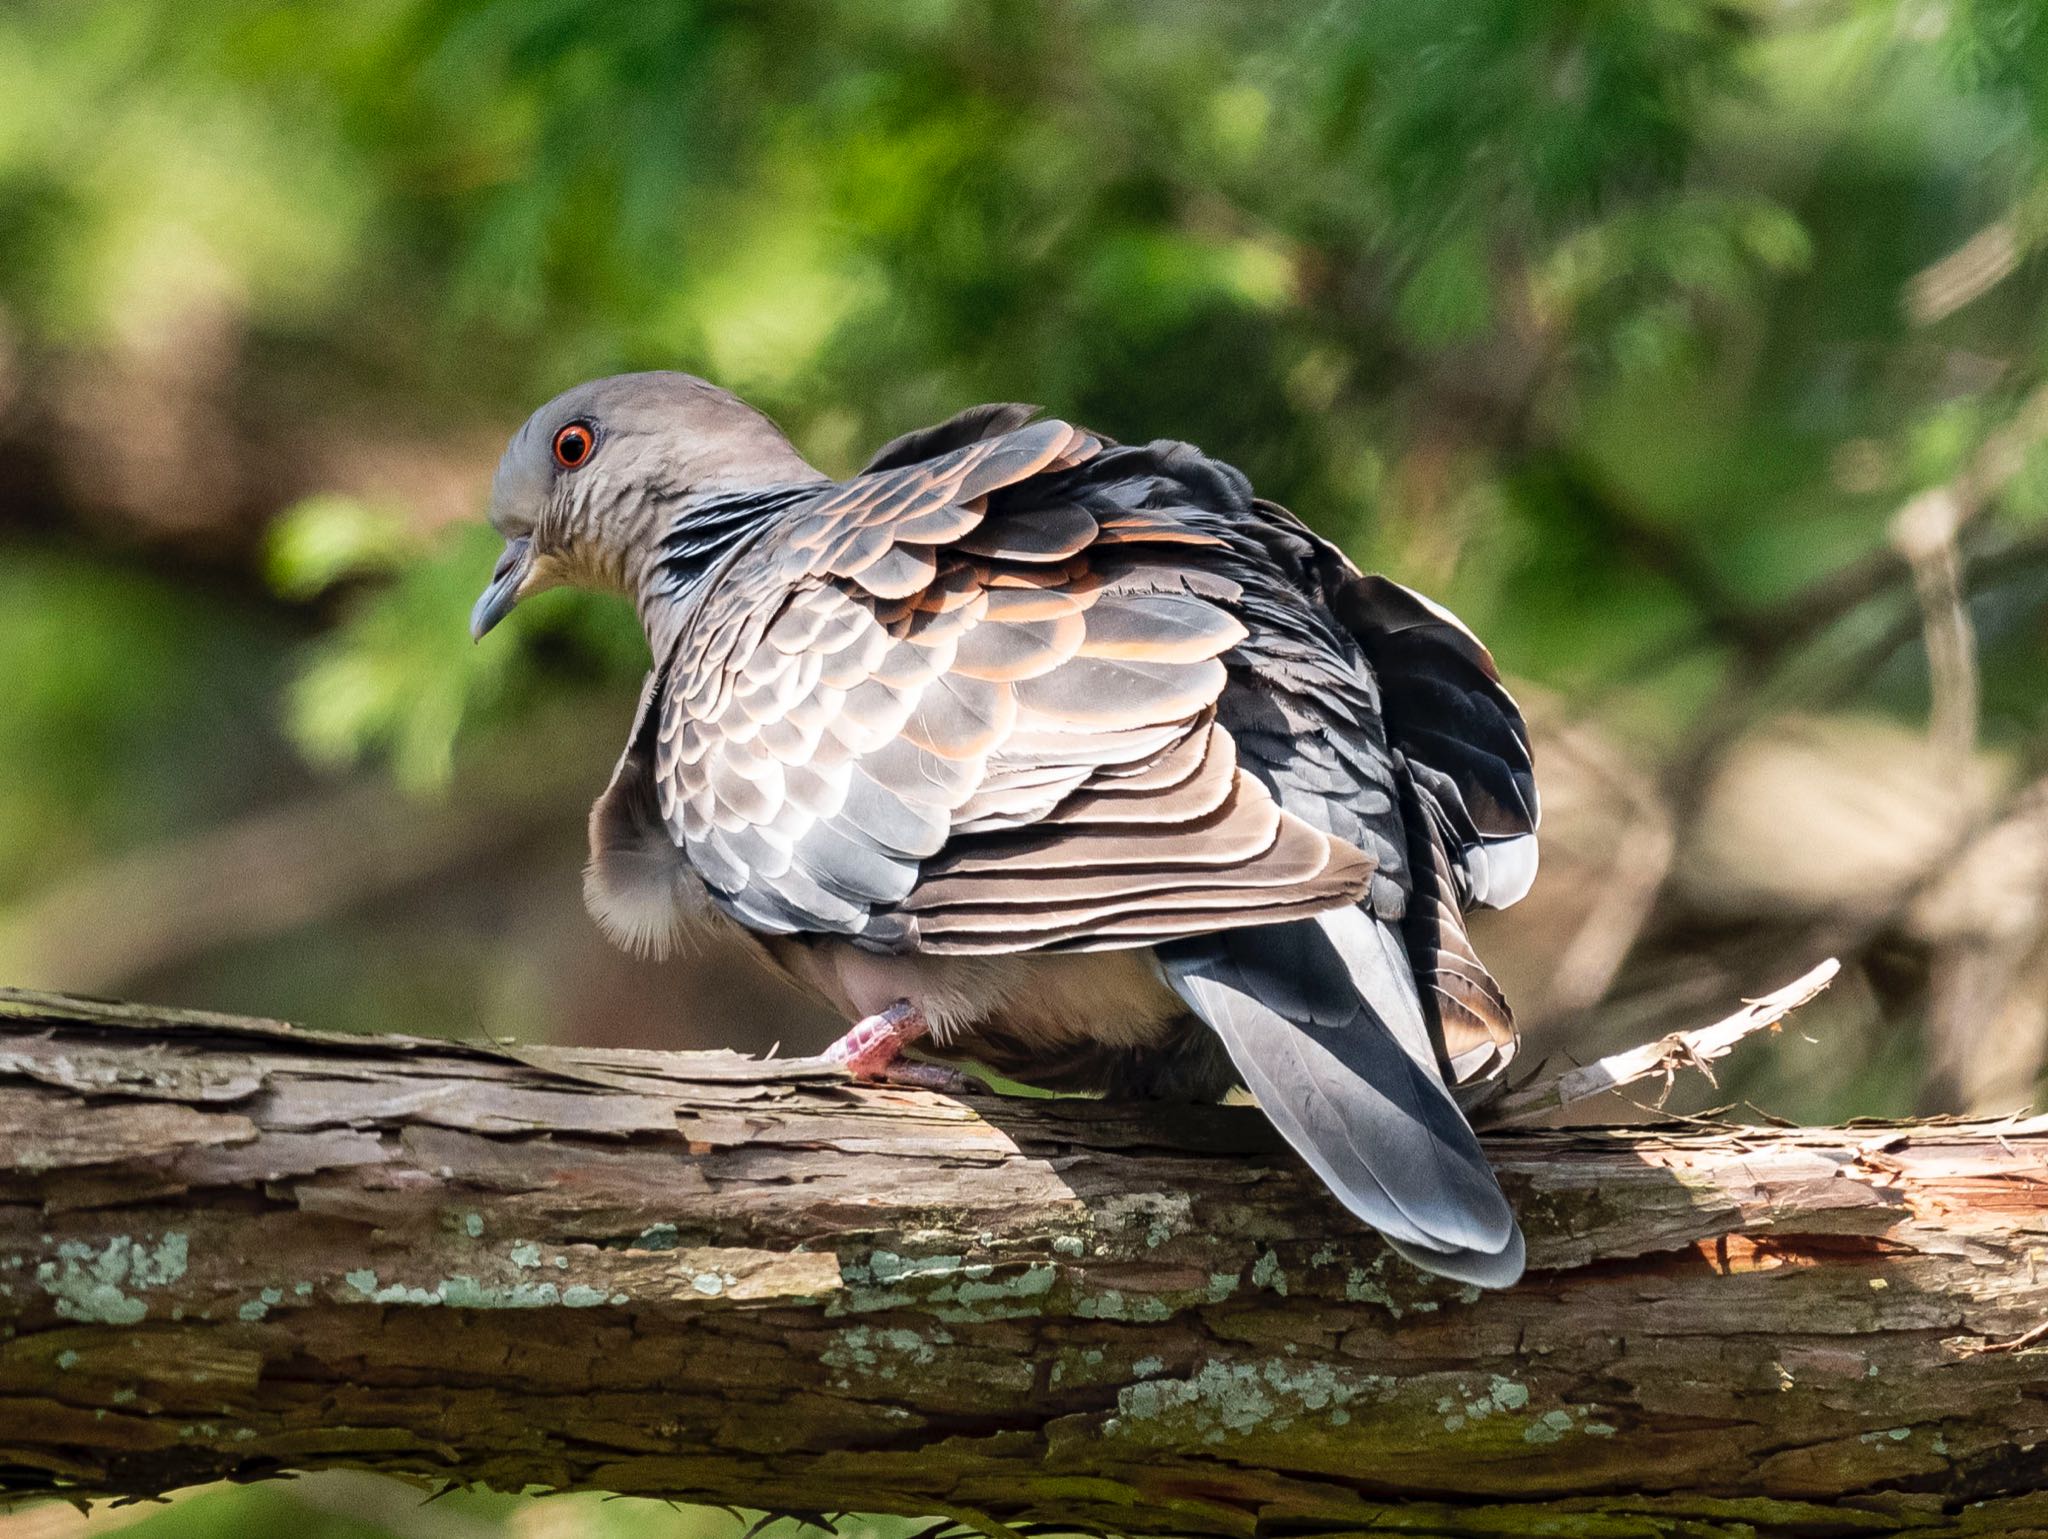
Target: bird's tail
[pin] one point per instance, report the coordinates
(1322, 1020)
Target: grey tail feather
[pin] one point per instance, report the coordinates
(1321, 1018)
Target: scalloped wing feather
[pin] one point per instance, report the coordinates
(901, 710)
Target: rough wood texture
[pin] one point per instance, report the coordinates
(231, 1249)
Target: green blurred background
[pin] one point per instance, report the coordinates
(1695, 352)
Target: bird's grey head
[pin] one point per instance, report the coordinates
(589, 485)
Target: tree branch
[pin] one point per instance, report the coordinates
(1662, 1059)
(230, 1249)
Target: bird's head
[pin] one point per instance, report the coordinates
(589, 485)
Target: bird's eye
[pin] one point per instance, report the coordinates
(573, 445)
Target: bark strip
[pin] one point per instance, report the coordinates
(232, 1249)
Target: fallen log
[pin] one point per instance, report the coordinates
(232, 1249)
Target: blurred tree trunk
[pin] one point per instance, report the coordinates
(229, 1249)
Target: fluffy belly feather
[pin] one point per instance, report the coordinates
(1112, 999)
(647, 899)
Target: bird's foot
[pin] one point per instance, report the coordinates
(872, 1049)
(876, 1043)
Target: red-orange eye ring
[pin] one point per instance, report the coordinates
(573, 444)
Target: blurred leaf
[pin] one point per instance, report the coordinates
(403, 680)
(1449, 297)
(318, 542)
(131, 706)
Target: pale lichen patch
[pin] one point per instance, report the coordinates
(1224, 1399)
(1267, 1273)
(94, 1285)
(881, 1353)
(1362, 1285)
(1150, 1218)
(1506, 1394)
(1499, 1395)
(992, 1298)
(955, 1288)
(1113, 1304)
(465, 1292)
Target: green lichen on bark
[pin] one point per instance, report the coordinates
(105, 1283)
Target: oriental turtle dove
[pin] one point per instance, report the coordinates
(1071, 758)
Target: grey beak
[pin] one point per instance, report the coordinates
(506, 580)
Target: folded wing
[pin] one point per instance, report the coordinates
(946, 705)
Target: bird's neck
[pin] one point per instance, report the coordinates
(688, 534)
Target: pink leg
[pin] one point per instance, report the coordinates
(873, 1049)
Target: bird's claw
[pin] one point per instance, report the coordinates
(911, 1074)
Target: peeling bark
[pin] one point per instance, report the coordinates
(231, 1249)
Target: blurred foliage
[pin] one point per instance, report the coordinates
(349, 1506)
(399, 675)
(1441, 275)
(1597, 321)
(1444, 278)
(1626, 329)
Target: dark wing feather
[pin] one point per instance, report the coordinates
(977, 422)
(1436, 752)
(1322, 1017)
(1473, 1019)
(1470, 783)
(1448, 711)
